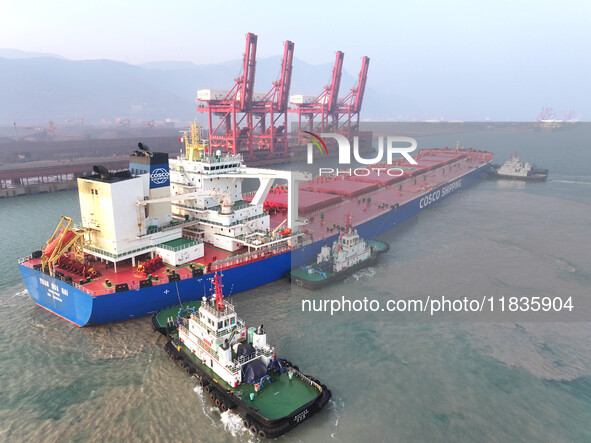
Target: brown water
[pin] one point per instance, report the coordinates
(394, 377)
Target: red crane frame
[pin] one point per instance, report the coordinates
(349, 107)
(324, 105)
(242, 126)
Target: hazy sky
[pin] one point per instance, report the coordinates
(211, 31)
(528, 44)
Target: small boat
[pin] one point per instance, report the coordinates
(513, 169)
(348, 254)
(236, 366)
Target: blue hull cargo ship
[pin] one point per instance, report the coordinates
(154, 236)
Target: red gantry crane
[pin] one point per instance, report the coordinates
(349, 107)
(324, 105)
(232, 107)
(256, 125)
(273, 138)
(240, 121)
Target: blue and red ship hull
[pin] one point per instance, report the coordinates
(83, 309)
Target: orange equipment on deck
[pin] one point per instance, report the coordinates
(64, 239)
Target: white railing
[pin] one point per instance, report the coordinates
(243, 359)
(248, 256)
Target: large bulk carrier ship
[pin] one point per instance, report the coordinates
(154, 235)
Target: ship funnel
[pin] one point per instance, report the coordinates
(102, 171)
(225, 352)
(259, 338)
(144, 147)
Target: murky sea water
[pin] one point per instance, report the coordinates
(399, 378)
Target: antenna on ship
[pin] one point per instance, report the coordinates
(347, 222)
(219, 296)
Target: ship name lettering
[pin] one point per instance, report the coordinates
(301, 416)
(451, 187)
(436, 195)
(64, 291)
(430, 199)
(55, 287)
(44, 282)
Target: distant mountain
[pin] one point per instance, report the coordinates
(37, 90)
(168, 65)
(17, 53)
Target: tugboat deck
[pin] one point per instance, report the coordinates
(275, 400)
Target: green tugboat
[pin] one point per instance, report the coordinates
(348, 254)
(237, 368)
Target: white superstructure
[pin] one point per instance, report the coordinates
(215, 333)
(172, 208)
(212, 184)
(513, 167)
(347, 251)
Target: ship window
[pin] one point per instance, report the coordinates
(233, 320)
(220, 325)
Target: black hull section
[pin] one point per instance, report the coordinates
(529, 178)
(225, 400)
(536, 175)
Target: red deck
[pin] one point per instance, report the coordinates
(383, 197)
(128, 274)
(342, 186)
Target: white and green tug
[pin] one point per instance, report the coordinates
(346, 255)
(236, 366)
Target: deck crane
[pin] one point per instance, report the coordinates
(65, 238)
(273, 233)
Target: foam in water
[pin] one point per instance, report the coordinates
(366, 273)
(229, 421)
(206, 411)
(336, 406)
(23, 293)
(233, 424)
(572, 182)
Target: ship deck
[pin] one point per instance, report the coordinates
(326, 220)
(275, 400)
(324, 201)
(126, 273)
(164, 315)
